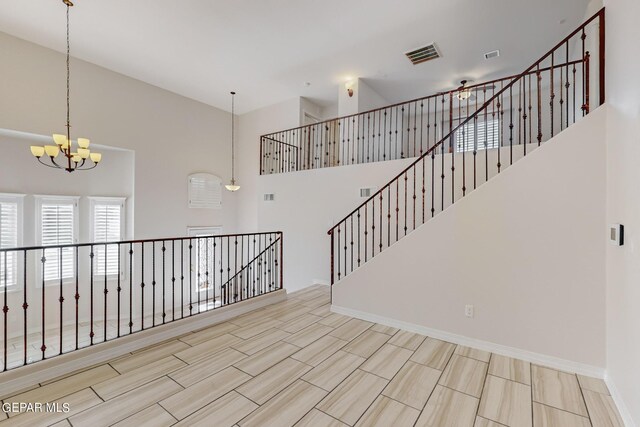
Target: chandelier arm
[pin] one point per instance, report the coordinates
(87, 168)
(47, 165)
(56, 165)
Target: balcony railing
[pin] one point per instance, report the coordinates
(542, 101)
(57, 299)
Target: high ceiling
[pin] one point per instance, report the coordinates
(267, 49)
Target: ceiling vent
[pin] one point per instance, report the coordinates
(492, 54)
(423, 54)
(269, 197)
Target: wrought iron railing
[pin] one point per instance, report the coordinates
(412, 128)
(482, 130)
(58, 299)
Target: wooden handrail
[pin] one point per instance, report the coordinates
(126, 242)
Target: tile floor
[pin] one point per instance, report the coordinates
(296, 363)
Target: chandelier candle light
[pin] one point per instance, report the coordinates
(232, 185)
(75, 160)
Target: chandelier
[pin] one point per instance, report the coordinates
(73, 158)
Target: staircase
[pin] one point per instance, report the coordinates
(461, 139)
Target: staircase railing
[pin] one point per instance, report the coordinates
(247, 281)
(58, 299)
(485, 133)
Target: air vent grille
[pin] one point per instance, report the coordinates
(366, 192)
(269, 197)
(423, 54)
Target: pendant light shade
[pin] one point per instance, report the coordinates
(232, 186)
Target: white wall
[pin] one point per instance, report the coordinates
(251, 126)
(623, 204)
(525, 249)
(171, 136)
(364, 98)
(368, 98)
(307, 204)
(311, 108)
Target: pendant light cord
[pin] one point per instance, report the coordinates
(233, 157)
(68, 78)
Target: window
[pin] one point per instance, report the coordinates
(205, 191)
(57, 218)
(488, 134)
(107, 225)
(205, 252)
(10, 237)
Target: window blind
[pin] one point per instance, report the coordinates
(107, 227)
(488, 135)
(205, 191)
(8, 239)
(58, 228)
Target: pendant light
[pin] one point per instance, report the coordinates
(75, 160)
(232, 185)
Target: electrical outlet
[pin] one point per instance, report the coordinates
(468, 310)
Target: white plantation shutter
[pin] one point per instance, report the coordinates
(107, 227)
(58, 228)
(8, 239)
(205, 191)
(488, 135)
(204, 254)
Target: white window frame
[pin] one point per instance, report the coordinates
(44, 199)
(197, 232)
(18, 199)
(118, 201)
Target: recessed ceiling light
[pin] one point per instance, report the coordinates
(492, 54)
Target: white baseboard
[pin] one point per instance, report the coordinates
(24, 377)
(625, 414)
(529, 356)
(320, 282)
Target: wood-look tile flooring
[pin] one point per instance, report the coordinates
(296, 363)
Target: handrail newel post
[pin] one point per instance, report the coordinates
(585, 107)
(332, 273)
(281, 260)
(601, 55)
